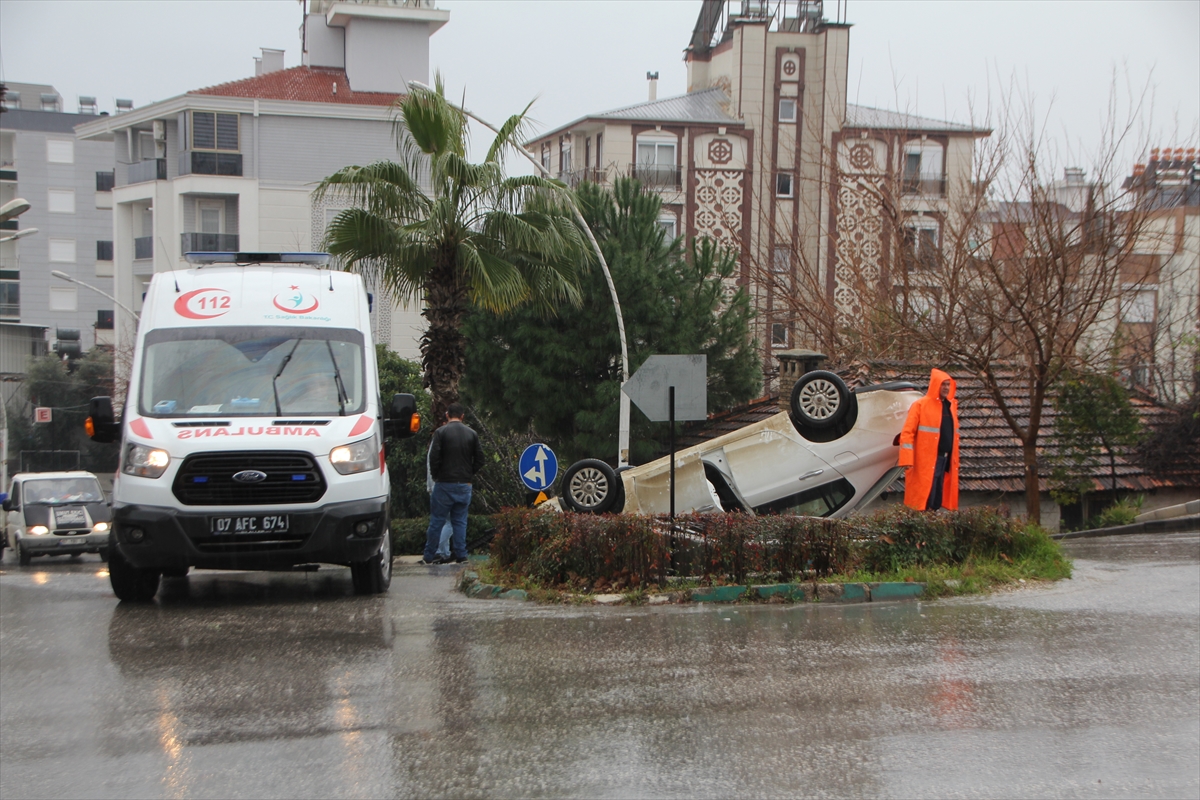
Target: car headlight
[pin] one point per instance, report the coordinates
(38, 530)
(356, 457)
(146, 462)
(100, 527)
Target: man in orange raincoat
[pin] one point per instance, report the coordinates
(929, 447)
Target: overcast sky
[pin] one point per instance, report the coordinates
(938, 59)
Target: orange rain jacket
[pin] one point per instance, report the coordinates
(919, 442)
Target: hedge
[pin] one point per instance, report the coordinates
(408, 534)
(580, 549)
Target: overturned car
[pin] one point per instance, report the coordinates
(835, 450)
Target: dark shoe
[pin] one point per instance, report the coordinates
(462, 560)
(428, 563)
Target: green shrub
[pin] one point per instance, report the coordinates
(408, 534)
(1122, 512)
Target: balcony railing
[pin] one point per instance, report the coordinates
(8, 174)
(590, 174)
(928, 187)
(208, 242)
(656, 176)
(154, 169)
(105, 181)
(207, 162)
(143, 247)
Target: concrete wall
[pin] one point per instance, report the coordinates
(383, 55)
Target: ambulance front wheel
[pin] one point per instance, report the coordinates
(374, 575)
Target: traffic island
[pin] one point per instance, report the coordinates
(814, 592)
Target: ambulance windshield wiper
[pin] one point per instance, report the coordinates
(337, 379)
(282, 367)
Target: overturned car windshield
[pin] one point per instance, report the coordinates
(252, 371)
(56, 491)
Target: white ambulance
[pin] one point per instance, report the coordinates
(252, 435)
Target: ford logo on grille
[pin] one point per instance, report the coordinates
(250, 476)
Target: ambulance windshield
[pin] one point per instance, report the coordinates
(252, 371)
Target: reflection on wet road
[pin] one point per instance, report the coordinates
(284, 685)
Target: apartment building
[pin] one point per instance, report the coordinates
(765, 155)
(233, 167)
(68, 185)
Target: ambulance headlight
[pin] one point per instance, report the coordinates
(355, 457)
(145, 462)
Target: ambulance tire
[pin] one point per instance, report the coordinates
(374, 575)
(131, 584)
(820, 400)
(591, 487)
(23, 556)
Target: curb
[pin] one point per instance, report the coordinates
(1186, 524)
(844, 593)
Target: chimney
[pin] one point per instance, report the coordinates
(792, 365)
(653, 78)
(271, 60)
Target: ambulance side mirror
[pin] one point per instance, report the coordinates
(402, 419)
(100, 425)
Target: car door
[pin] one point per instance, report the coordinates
(772, 463)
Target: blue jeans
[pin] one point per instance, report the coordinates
(449, 500)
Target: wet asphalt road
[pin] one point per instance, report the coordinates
(287, 685)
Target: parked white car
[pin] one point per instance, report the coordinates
(56, 513)
(834, 452)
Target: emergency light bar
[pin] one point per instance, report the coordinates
(306, 259)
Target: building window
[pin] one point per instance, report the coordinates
(61, 201)
(783, 184)
(1137, 305)
(211, 131)
(564, 154)
(921, 243)
(923, 170)
(781, 260)
(668, 224)
(599, 149)
(787, 110)
(10, 299)
(105, 181)
(211, 215)
(104, 250)
(546, 156)
(104, 319)
(60, 151)
(146, 146)
(62, 251)
(656, 164)
(63, 298)
(779, 335)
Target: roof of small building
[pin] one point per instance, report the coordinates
(883, 119)
(301, 84)
(991, 458)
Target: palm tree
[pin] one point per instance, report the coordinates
(474, 237)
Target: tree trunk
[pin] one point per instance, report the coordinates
(443, 348)
(1033, 489)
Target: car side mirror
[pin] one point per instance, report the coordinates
(100, 424)
(6, 504)
(402, 420)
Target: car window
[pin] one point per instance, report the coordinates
(819, 501)
(55, 491)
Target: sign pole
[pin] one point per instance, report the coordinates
(671, 422)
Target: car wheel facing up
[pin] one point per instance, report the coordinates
(590, 487)
(820, 400)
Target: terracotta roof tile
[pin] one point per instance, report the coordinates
(302, 84)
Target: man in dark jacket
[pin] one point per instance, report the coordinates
(455, 455)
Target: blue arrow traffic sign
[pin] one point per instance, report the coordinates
(538, 467)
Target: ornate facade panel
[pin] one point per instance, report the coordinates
(859, 252)
(718, 214)
(717, 151)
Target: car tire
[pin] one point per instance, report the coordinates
(820, 400)
(590, 487)
(374, 575)
(175, 572)
(103, 553)
(129, 583)
(23, 555)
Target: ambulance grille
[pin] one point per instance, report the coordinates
(206, 479)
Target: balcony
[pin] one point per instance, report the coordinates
(207, 162)
(656, 176)
(576, 177)
(925, 187)
(105, 181)
(143, 247)
(208, 242)
(7, 173)
(154, 169)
